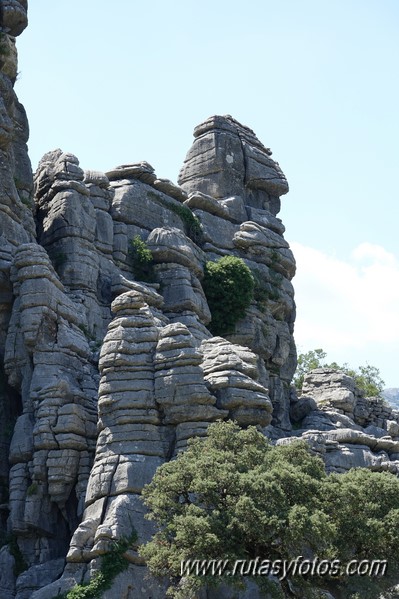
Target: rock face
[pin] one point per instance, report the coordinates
(105, 376)
(107, 372)
(235, 190)
(227, 159)
(347, 429)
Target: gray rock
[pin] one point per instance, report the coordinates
(265, 219)
(14, 16)
(231, 373)
(227, 157)
(7, 578)
(38, 576)
(302, 408)
(182, 291)
(111, 377)
(170, 245)
(201, 201)
(137, 203)
(331, 387)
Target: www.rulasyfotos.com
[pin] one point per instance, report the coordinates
(282, 568)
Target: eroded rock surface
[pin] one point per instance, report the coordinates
(111, 375)
(104, 376)
(347, 429)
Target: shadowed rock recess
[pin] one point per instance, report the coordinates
(104, 376)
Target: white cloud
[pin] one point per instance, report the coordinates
(348, 307)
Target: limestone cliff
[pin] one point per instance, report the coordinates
(143, 349)
(104, 375)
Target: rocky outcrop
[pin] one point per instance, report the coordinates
(104, 375)
(347, 429)
(76, 229)
(16, 227)
(231, 373)
(114, 374)
(234, 188)
(49, 364)
(227, 159)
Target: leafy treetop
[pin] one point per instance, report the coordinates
(234, 496)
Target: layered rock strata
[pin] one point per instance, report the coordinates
(235, 188)
(104, 376)
(347, 429)
(162, 376)
(49, 364)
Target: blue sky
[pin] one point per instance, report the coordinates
(317, 81)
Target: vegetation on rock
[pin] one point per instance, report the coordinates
(112, 564)
(4, 47)
(367, 378)
(141, 260)
(228, 285)
(192, 224)
(234, 496)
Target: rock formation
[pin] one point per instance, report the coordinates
(104, 376)
(161, 377)
(347, 429)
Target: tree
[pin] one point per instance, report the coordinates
(235, 496)
(367, 378)
(307, 362)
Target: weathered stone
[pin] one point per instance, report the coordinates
(136, 203)
(302, 408)
(265, 219)
(201, 201)
(143, 171)
(217, 231)
(226, 157)
(172, 246)
(14, 16)
(38, 576)
(330, 387)
(182, 291)
(113, 371)
(7, 578)
(232, 380)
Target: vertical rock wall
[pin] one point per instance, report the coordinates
(104, 376)
(234, 189)
(16, 227)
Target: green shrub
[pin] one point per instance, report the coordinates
(228, 285)
(32, 489)
(141, 260)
